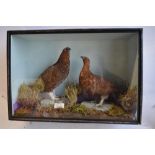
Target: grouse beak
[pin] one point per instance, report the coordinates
(82, 57)
(67, 48)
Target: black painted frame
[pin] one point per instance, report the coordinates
(139, 31)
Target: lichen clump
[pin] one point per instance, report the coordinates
(71, 92)
(129, 99)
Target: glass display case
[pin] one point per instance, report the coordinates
(75, 75)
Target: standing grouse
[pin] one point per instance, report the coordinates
(92, 85)
(55, 74)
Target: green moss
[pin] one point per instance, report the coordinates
(79, 109)
(115, 111)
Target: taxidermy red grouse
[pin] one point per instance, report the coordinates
(93, 85)
(55, 74)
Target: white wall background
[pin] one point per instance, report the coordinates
(148, 97)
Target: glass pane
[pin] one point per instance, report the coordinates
(86, 76)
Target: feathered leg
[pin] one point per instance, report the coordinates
(102, 100)
(52, 95)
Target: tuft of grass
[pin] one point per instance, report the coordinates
(38, 85)
(129, 99)
(27, 96)
(71, 92)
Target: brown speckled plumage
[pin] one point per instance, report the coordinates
(92, 84)
(55, 74)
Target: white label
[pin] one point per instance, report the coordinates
(59, 105)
